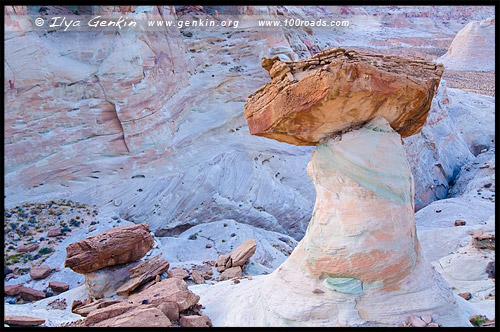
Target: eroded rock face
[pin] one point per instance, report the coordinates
(118, 245)
(334, 90)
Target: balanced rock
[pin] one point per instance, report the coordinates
(118, 245)
(360, 247)
(197, 277)
(40, 272)
(23, 320)
(168, 290)
(337, 89)
(146, 271)
(58, 286)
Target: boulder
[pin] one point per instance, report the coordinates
(127, 315)
(85, 309)
(58, 286)
(481, 240)
(168, 290)
(99, 314)
(466, 295)
(23, 320)
(335, 90)
(118, 245)
(56, 231)
(28, 248)
(427, 319)
(40, 272)
(197, 277)
(12, 290)
(30, 294)
(144, 272)
(170, 309)
(230, 273)
(178, 272)
(195, 321)
(460, 222)
(241, 254)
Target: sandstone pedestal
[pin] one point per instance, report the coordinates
(360, 262)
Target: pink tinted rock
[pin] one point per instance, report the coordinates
(58, 286)
(170, 309)
(144, 272)
(54, 232)
(23, 320)
(195, 321)
(118, 245)
(30, 294)
(178, 272)
(197, 277)
(241, 254)
(168, 290)
(40, 272)
(416, 321)
(230, 273)
(28, 248)
(12, 290)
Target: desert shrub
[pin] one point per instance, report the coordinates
(45, 251)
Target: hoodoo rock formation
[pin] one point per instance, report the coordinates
(119, 245)
(360, 261)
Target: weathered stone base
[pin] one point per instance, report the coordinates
(360, 262)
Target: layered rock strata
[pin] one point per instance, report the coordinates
(337, 89)
(473, 48)
(360, 261)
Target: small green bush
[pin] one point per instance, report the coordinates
(45, 251)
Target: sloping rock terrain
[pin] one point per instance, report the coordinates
(149, 146)
(150, 127)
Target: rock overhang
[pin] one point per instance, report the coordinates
(337, 89)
